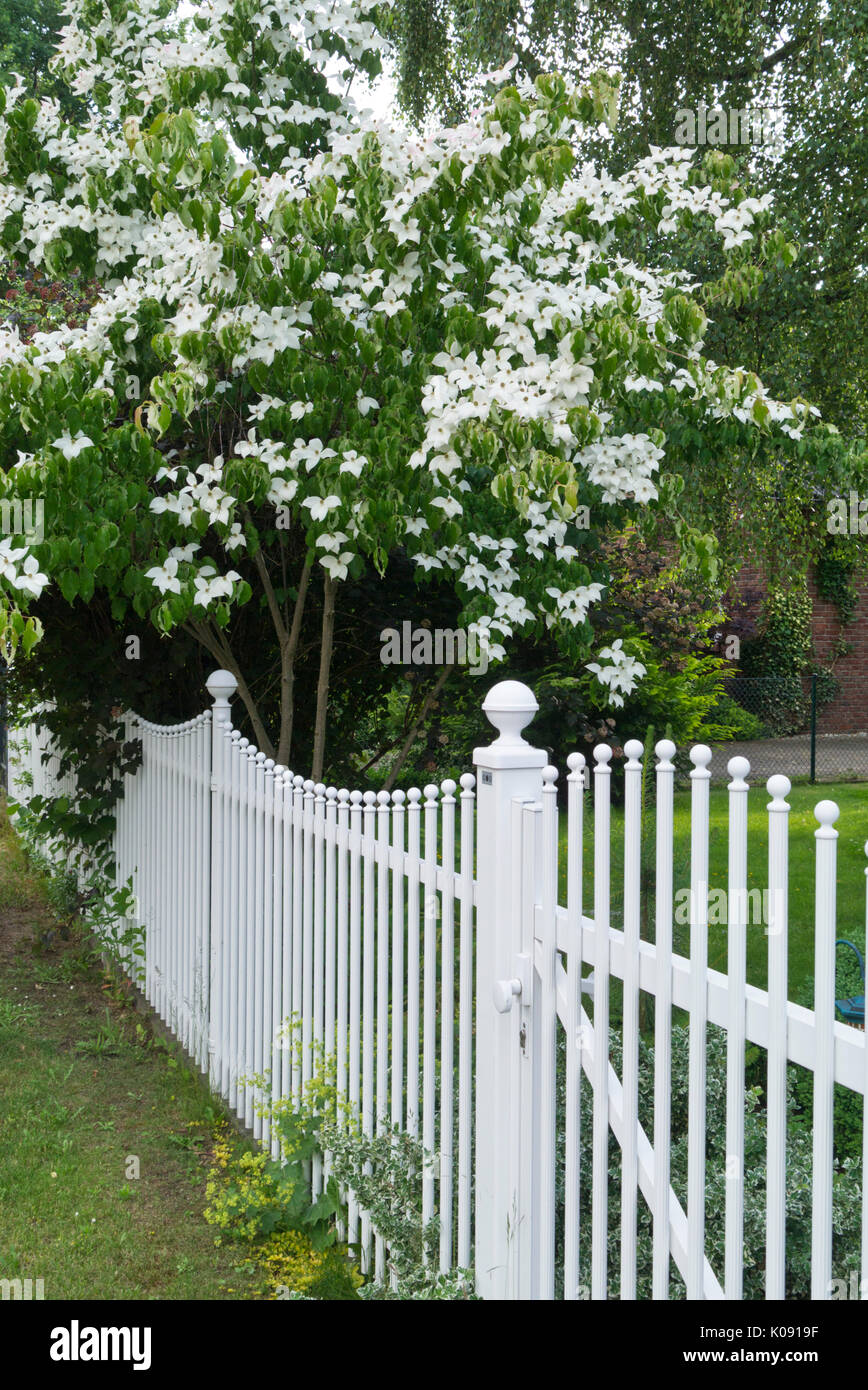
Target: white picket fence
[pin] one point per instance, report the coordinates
(420, 942)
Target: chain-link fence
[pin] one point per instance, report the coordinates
(813, 729)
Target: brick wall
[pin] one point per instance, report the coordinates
(848, 712)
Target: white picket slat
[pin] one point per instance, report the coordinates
(465, 1024)
(600, 1157)
(369, 948)
(663, 906)
(355, 984)
(738, 769)
(863, 1282)
(429, 999)
(575, 1040)
(826, 838)
(630, 1012)
(700, 776)
(546, 1117)
(382, 1043)
(447, 1023)
(414, 958)
(776, 1099)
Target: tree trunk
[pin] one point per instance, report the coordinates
(215, 642)
(325, 663)
(288, 651)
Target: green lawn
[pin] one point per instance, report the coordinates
(852, 825)
(85, 1088)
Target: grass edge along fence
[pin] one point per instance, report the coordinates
(420, 941)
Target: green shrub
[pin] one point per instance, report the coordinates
(267, 1206)
(385, 1173)
(846, 1189)
(729, 722)
(292, 1265)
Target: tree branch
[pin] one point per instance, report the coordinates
(325, 661)
(423, 715)
(749, 69)
(288, 654)
(217, 645)
(270, 596)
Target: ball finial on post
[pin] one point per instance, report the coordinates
(221, 686)
(510, 706)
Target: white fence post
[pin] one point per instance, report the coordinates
(221, 686)
(506, 770)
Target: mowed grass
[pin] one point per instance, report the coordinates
(852, 825)
(86, 1089)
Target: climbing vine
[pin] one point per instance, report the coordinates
(780, 657)
(837, 564)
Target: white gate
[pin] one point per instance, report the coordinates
(530, 957)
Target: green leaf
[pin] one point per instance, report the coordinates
(69, 585)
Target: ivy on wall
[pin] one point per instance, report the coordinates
(781, 656)
(837, 565)
(786, 629)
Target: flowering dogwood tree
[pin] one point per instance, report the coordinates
(319, 341)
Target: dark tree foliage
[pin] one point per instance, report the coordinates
(28, 38)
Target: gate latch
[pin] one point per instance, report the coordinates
(505, 991)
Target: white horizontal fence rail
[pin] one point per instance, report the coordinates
(415, 943)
